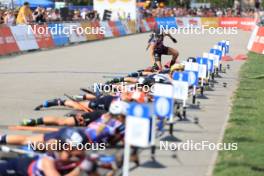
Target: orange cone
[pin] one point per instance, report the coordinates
(227, 58)
(241, 57)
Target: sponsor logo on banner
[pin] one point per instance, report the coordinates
(119, 8)
(125, 24)
(132, 26)
(75, 36)
(121, 28)
(89, 35)
(59, 38)
(256, 42)
(114, 28)
(7, 41)
(194, 22)
(208, 22)
(180, 22)
(166, 23)
(108, 31)
(229, 22)
(247, 24)
(151, 23)
(24, 37)
(43, 36)
(2, 45)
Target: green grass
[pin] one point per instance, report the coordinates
(246, 124)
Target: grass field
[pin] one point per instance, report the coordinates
(246, 124)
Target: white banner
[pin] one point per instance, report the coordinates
(76, 33)
(120, 8)
(24, 37)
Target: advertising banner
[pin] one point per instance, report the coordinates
(108, 31)
(247, 24)
(24, 37)
(121, 9)
(98, 30)
(43, 36)
(166, 22)
(256, 41)
(132, 26)
(121, 28)
(89, 35)
(8, 43)
(114, 28)
(77, 33)
(228, 22)
(193, 22)
(181, 22)
(208, 22)
(151, 23)
(58, 33)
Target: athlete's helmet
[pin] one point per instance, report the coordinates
(118, 108)
(177, 67)
(73, 137)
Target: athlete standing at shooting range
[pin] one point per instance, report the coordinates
(157, 48)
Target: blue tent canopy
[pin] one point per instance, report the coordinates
(36, 3)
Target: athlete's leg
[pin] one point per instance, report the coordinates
(175, 55)
(23, 139)
(75, 105)
(49, 120)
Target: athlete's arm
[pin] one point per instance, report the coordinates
(151, 48)
(48, 167)
(170, 36)
(74, 172)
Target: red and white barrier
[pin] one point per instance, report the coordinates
(256, 41)
(24, 37)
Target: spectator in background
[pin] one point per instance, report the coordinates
(10, 18)
(39, 15)
(76, 15)
(24, 14)
(1, 17)
(55, 15)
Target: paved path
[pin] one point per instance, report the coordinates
(27, 80)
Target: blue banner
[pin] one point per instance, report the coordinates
(166, 23)
(121, 28)
(58, 33)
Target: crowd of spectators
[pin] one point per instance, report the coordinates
(25, 15)
(199, 12)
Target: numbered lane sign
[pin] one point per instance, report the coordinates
(191, 77)
(203, 66)
(180, 90)
(210, 61)
(163, 100)
(217, 51)
(138, 125)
